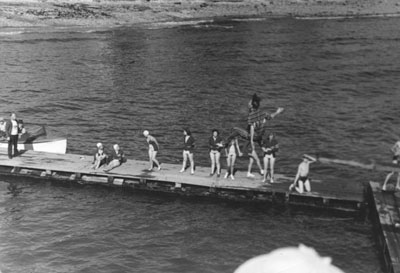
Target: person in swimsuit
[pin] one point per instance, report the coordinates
(215, 144)
(188, 147)
(256, 124)
(269, 146)
(301, 180)
(232, 150)
(100, 157)
(153, 149)
(116, 159)
(396, 161)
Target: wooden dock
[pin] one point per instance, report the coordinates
(134, 174)
(385, 212)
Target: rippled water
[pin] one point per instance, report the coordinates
(337, 79)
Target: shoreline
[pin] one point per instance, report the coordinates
(109, 13)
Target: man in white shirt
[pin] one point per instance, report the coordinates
(12, 131)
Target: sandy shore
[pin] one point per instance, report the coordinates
(108, 13)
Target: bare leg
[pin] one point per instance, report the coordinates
(300, 187)
(307, 185)
(150, 159)
(265, 159)
(232, 167)
(272, 166)
(217, 161)
(398, 182)
(212, 157)
(184, 162)
(113, 164)
(228, 166)
(258, 162)
(191, 163)
(251, 160)
(387, 180)
(154, 159)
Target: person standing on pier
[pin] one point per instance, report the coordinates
(116, 159)
(188, 147)
(215, 144)
(269, 146)
(153, 149)
(396, 161)
(232, 151)
(12, 132)
(256, 125)
(302, 181)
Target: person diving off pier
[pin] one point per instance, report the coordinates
(256, 125)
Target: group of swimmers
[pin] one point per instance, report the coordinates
(256, 133)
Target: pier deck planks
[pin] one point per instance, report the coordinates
(78, 166)
(387, 206)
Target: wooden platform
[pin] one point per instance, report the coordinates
(134, 174)
(385, 210)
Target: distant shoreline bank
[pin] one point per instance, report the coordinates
(109, 13)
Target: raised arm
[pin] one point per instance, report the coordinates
(310, 158)
(277, 112)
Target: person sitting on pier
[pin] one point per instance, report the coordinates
(100, 157)
(153, 149)
(396, 157)
(269, 146)
(116, 159)
(232, 150)
(302, 181)
(256, 125)
(188, 147)
(215, 144)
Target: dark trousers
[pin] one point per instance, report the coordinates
(13, 142)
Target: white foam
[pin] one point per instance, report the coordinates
(9, 33)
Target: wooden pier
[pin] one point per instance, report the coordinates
(385, 212)
(134, 174)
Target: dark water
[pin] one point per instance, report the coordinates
(337, 79)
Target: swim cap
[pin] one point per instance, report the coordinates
(146, 133)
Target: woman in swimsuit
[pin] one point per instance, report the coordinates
(188, 147)
(100, 157)
(215, 144)
(269, 146)
(153, 149)
(232, 151)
